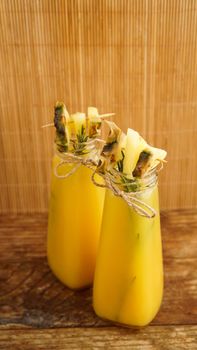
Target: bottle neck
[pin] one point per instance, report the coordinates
(80, 149)
(134, 184)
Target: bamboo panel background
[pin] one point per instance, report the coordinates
(137, 58)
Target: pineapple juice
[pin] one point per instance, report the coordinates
(74, 226)
(128, 283)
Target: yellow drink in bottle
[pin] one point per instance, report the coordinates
(76, 205)
(74, 226)
(128, 282)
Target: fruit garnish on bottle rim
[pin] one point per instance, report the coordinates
(129, 165)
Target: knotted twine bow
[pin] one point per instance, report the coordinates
(73, 158)
(136, 204)
(139, 206)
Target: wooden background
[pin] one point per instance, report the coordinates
(137, 58)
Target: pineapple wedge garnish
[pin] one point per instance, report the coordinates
(79, 120)
(139, 156)
(112, 150)
(94, 122)
(135, 144)
(61, 121)
(74, 130)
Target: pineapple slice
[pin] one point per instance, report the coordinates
(135, 144)
(143, 163)
(112, 154)
(61, 120)
(94, 122)
(79, 120)
(139, 156)
(111, 148)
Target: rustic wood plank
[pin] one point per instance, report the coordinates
(149, 338)
(30, 296)
(22, 236)
(179, 229)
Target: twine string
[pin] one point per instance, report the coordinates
(77, 161)
(136, 204)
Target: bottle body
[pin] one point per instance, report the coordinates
(75, 215)
(128, 282)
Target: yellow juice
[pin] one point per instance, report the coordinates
(74, 226)
(128, 283)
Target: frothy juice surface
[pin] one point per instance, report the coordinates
(75, 215)
(128, 283)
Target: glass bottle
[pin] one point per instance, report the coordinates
(128, 282)
(75, 215)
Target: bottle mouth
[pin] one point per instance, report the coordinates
(134, 184)
(84, 153)
(89, 149)
(83, 148)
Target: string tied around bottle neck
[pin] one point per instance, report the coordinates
(90, 160)
(139, 206)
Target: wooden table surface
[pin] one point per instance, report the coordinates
(38, 312)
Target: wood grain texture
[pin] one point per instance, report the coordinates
(135, 58)
(149, 338)
(31, 297)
